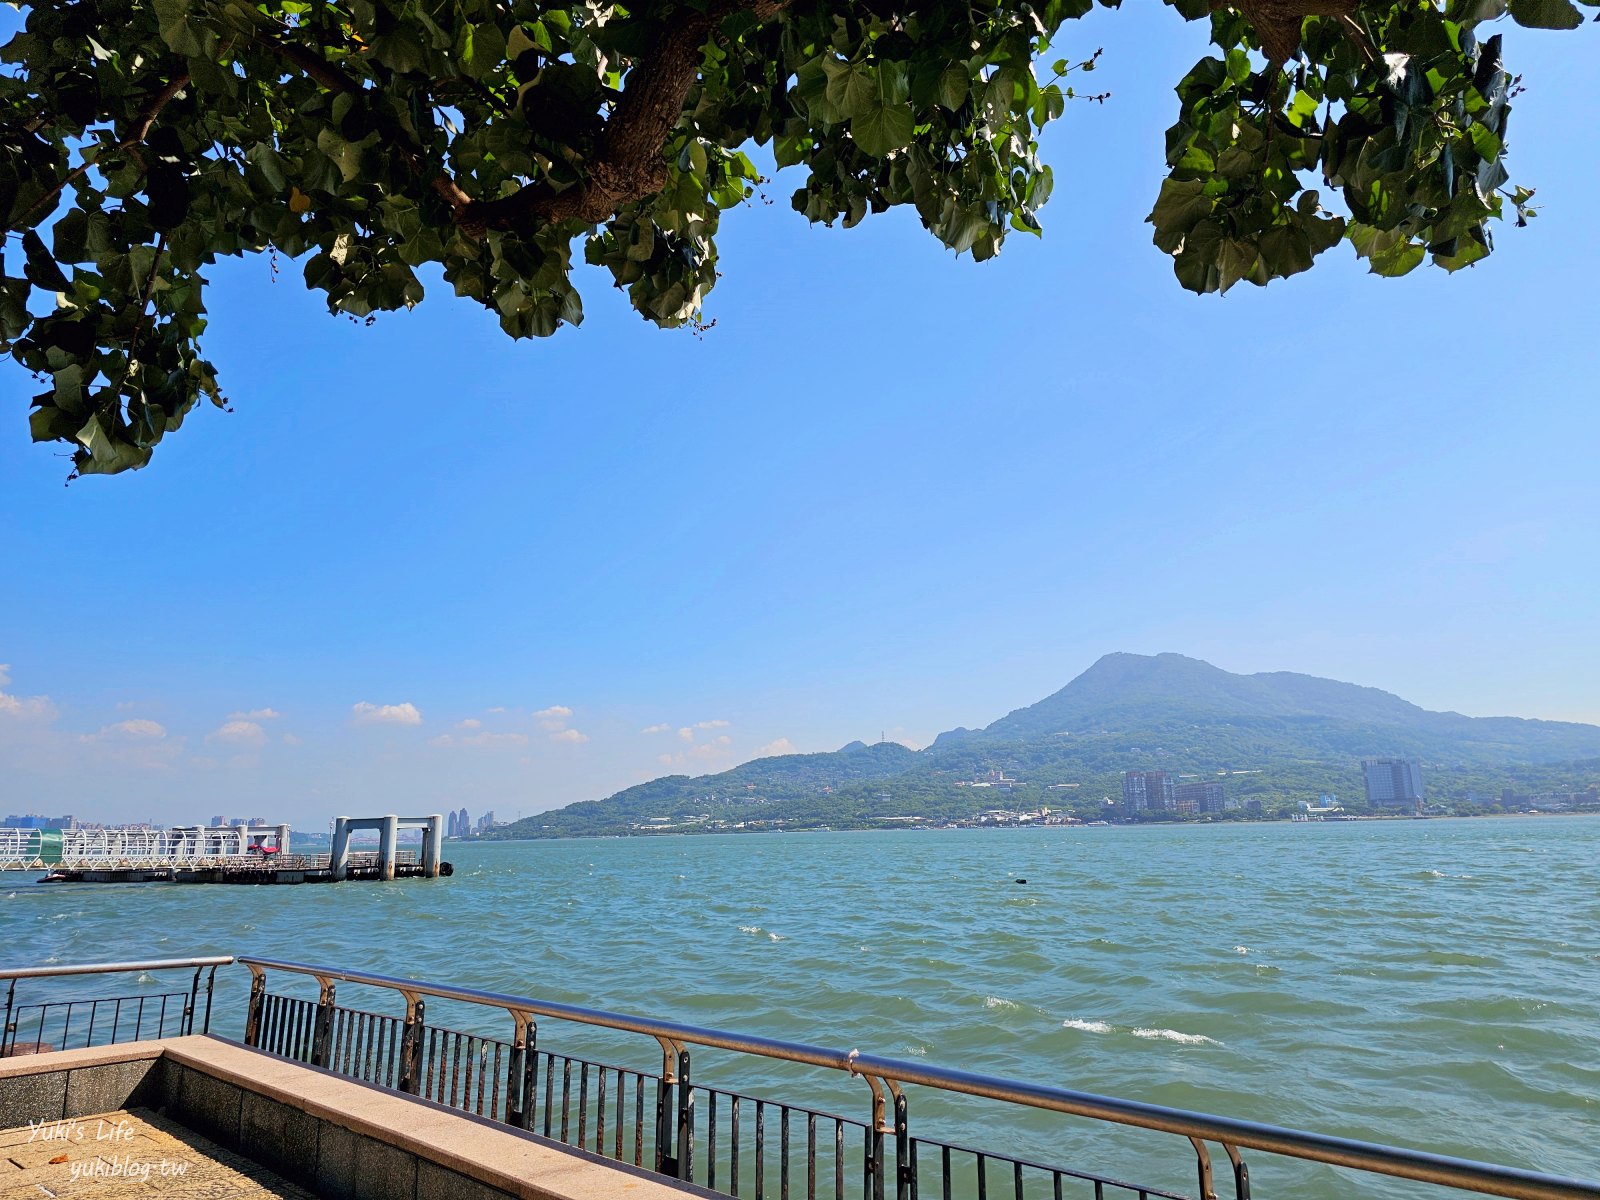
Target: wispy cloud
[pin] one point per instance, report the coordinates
(662, 728)
(138, 743)
(239, 733)
(364, 713)
(256, 714)
(782, 746)
(136, 728)
(570, 736)
(484, 739)
(24, 708)
(687, 733)
(553, 718)
(704, 753)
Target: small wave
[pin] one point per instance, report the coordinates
(1241, 949)
(775, 937)
(1432, 875)
(999, 1002)
(919, 1051)
(1174, 1035)
(1448, 958)
(750, 929)
(1086, 1026)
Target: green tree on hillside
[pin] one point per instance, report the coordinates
(141, 140)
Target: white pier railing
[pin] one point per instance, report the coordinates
(192, 846)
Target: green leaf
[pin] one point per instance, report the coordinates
(883, 128)
(1546, 14)
(180, 35)
(40, 266)
(851, 89)
(954, 86)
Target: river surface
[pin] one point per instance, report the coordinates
(1427, 983)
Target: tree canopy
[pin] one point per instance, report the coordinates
(493, 140)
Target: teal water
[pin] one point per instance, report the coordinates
(1428, 983)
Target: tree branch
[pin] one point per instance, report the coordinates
(627, 166)
(141, 129)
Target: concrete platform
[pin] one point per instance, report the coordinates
(130, 1153)
(247, 1120)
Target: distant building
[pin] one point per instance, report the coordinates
(1393, 782)
(1147, 791)
(35, 821)
(463, 823)
(1200, 797)
(451, 828)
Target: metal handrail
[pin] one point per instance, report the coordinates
(160, 964)
(1464, 1174)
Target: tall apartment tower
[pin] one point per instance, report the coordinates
(1147, 791)
(1393, 782)
(1201, 797)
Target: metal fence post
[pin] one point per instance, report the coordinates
(685, 1119)
(904, 1155)
(522, 1072)
(187, 1024)
(1241, 1173)
(9, 1029)
(211, 983)
(873, 1165)
(322, 1033)
(666, 1163)
(411, 1039)
(258, 996)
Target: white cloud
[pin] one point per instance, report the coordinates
(782, 746)
(470, 723)
(256, 714)
(484, 739)
(23, 708)
(717, 751)
(365, 713)
(239, 733)
(686, 734)
(712, 724)
(292, 739)
(137, 728)
(662, 728)
(139, 743)
(554, 718)
(571, 736)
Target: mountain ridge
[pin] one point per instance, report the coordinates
(1286, 731)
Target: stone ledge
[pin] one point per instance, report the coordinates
(70, 1060)
(343, 1139)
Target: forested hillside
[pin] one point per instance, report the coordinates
(1278, 737)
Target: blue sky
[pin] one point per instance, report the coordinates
(889, 491)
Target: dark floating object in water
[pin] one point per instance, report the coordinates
(1022, 881)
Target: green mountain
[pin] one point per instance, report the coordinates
(1277, 736)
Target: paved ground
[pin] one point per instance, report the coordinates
(122, 1155)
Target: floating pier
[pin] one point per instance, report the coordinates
(241, 854)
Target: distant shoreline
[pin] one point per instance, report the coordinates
(897, 827)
